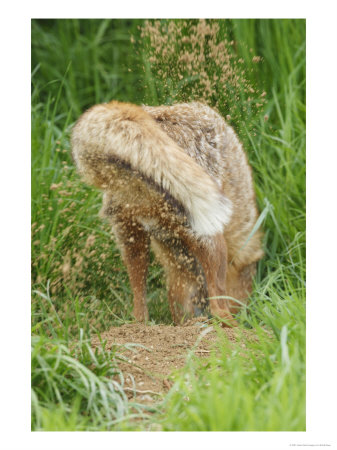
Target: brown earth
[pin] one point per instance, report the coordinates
(151, 354)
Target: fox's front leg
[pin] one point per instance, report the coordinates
(134, 243)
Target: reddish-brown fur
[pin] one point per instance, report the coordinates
(155, 195)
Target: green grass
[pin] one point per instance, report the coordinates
(79, 284)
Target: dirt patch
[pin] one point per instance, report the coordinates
(155, 352)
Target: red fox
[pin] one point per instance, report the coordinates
(175, 179)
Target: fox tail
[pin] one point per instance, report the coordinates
(123, 132)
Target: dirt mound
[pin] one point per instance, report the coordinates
(154, 352)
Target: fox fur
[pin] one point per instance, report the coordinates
(174, 178)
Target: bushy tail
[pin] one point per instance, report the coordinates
(126, 133)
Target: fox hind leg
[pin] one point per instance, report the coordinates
(134, 243)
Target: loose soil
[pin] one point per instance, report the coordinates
(155, 352)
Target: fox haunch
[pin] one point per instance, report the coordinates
(176, 179)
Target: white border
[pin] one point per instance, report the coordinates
(321, 224)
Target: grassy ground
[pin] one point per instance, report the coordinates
(80, 286)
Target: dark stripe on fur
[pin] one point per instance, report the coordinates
(176, 205)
